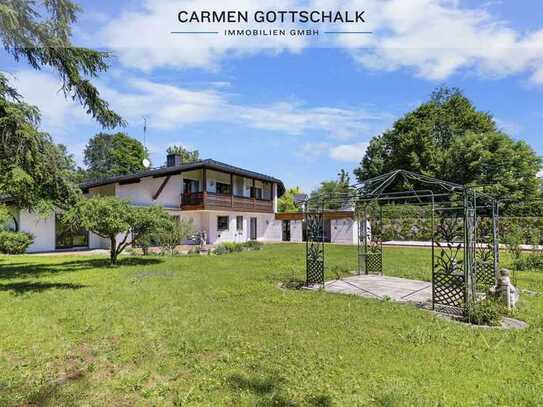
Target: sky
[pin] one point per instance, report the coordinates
(296, 108)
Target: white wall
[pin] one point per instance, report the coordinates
(213, 177)
(342, 231)
(142, 193)
(296, 227)
(266, 226)
(97, 242)
(42, 229)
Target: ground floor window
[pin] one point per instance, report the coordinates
(239, 223)
(66, 238)
(222, 223)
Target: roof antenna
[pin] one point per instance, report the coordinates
(146, 163)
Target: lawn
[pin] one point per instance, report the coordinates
(216, 330)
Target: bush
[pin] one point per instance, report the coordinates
(14, 242)
(228, 247)
(172, 235)
(233, 247)
(253, 245)
(485, 312)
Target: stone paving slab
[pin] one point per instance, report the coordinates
(380, 287)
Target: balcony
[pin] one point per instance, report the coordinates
(216, 201)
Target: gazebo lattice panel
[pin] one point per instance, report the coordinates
(485, 256)
(314, 248)
(448, 290)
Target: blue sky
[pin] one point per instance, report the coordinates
(298, 110)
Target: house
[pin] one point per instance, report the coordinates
(228, 203)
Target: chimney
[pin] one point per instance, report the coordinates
(173, 160)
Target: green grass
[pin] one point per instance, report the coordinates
(216, 330)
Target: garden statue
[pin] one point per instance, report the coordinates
(504, 290)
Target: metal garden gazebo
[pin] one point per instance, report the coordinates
(464, 222)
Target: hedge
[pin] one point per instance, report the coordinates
(527, 230)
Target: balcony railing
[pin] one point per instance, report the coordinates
(217, 201)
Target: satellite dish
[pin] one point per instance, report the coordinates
(146, 163)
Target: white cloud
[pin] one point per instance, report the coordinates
(168, 107)
(143, 39)
(312, 151)
(43, 90)
(349, 152)
(434, 38)
(439, 38)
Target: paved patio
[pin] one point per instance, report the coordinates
(381, 287)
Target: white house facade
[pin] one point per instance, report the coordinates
(228, 203)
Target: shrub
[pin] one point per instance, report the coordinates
(228, 247)
(485, 312)
(253, 245)
(171, 235)
(14, 242)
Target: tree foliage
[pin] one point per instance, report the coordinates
(448, 138)
(5, 217)
(34, 172)
(331, 193)
(113, 154)
(187, 156)
(116, 220)
(170, 237)
(286, 202)
(39, 32)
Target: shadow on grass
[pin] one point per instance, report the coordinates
(269, 390)
(25, 269)
(34, 286)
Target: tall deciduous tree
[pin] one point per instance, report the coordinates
(39, 32)
(187, 156)
(448, 138)
(113, 154)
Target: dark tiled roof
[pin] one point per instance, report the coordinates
(164, 171)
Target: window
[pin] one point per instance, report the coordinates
(223, 188)
(66, 238)
(222, 223)
(257, 193)
(238, 185)
(190, 185)
(239, 223)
